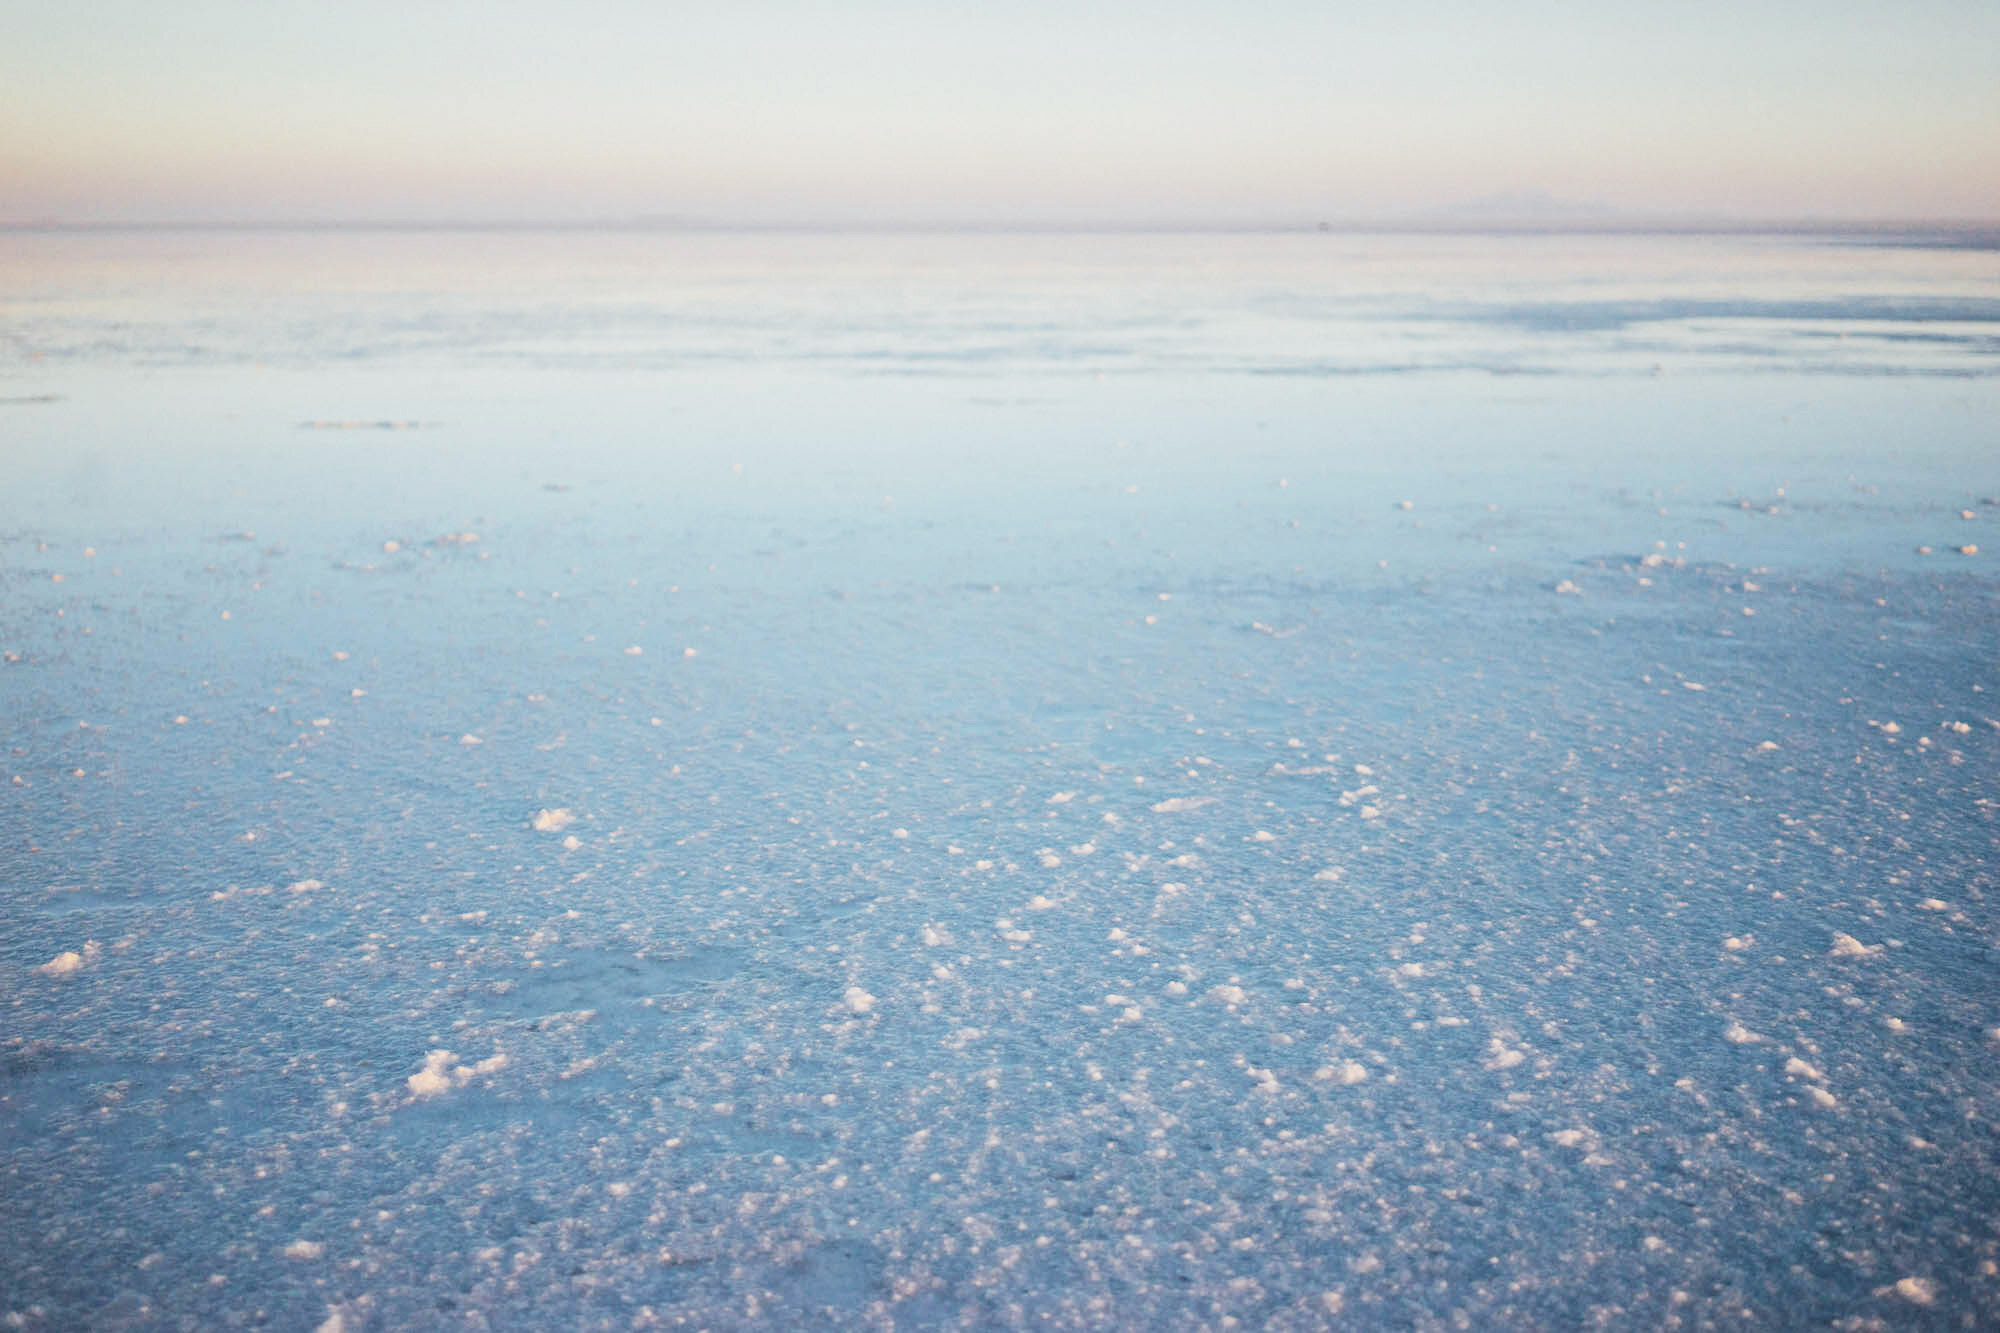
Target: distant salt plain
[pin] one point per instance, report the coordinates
(651, 780)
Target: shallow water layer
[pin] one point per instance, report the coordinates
(998, 781)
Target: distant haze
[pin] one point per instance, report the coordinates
(1282, 111)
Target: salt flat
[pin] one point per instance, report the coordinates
(1170, 781)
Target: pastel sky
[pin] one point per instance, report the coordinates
(792, 110)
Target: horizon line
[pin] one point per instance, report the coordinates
(1986, 229)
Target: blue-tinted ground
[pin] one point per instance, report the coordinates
(1020, 850)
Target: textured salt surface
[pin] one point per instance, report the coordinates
(1027, 879)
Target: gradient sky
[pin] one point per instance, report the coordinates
(788, 110)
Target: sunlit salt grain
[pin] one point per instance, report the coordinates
(304, 1249)
(1738, 943)
(1823, 1099)
(1846, 946)
(551, 821)
(635, 651)
(1179, 804)
(1346, 1073)
(1917, 1290)
(1798, 1068)
(434, 1078)
(469, 739)
(304, 886)
(858, 1000)
(1738, 1035)
(64, 964)
(1568, 1138)
(1230, 994)
(572, 842)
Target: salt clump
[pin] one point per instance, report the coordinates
(1917, 1290)
(69, 961)
(1846, 946)
(432, 1079)
(551, 821)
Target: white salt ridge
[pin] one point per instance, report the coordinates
(439, 1075)
(432, 1079)
(1180, 804)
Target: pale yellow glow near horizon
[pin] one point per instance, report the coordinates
(791, 112)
